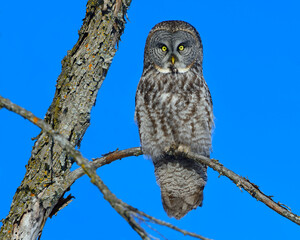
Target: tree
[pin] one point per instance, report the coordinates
(83, 71)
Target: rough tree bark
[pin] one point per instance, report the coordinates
(83, 71)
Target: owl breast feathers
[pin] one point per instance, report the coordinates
(174, 110)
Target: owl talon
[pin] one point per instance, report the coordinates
(183, 148)
(170, 149)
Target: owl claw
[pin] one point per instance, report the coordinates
(170, 149)
(183, 148)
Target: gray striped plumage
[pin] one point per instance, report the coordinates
(174, 110)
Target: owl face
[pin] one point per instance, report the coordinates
(173, 52)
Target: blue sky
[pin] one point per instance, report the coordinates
(252, 66)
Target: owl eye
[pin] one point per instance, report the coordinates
(180, 48)
(164, 48)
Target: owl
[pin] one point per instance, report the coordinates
(173, 110)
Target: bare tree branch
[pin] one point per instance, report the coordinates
(166, 224)
(106, 159)
(240, 181)
(126, 211)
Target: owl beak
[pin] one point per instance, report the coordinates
(172, 59)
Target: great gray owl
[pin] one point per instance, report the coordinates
(174, 111)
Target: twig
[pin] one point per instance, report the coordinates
(149, 226)
(106, 159)
(169, 225)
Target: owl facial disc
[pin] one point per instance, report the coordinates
(173, 52)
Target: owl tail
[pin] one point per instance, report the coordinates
(181, 182)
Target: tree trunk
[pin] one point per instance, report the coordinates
(83, 71)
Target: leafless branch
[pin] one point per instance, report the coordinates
(106, 159)
(240, 181)
(166, 224)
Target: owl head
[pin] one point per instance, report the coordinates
(173, 47)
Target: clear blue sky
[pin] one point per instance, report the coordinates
(252, 67)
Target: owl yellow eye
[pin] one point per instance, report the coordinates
(180, 48)
(164, 48)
